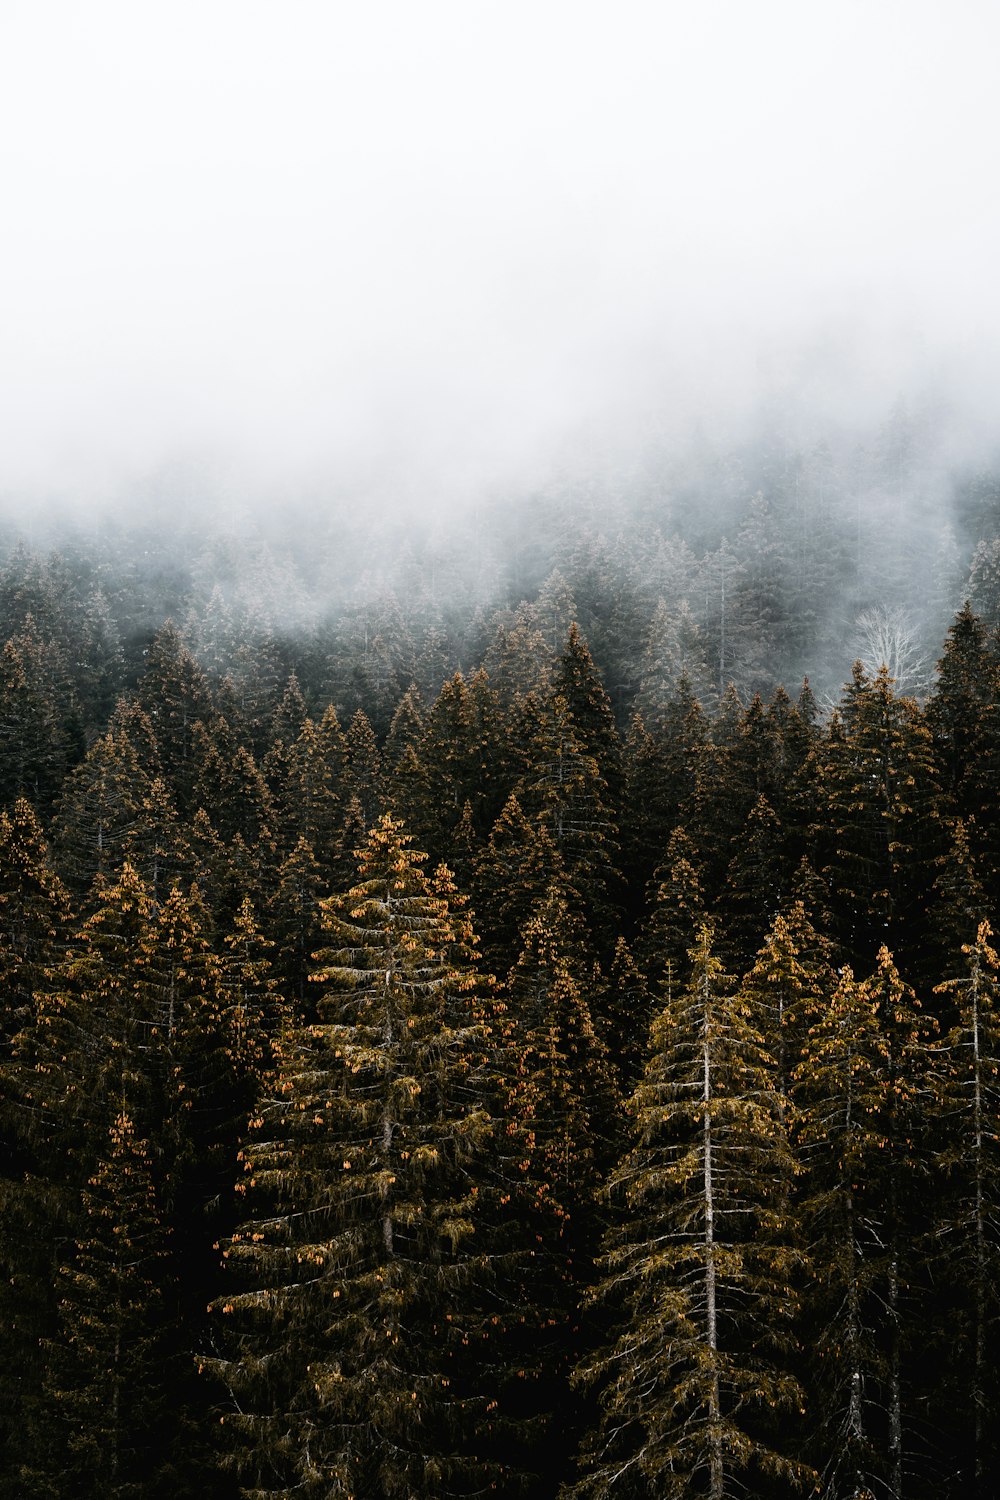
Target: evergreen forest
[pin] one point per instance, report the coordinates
(507, 1006)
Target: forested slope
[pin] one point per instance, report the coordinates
(461, 1040)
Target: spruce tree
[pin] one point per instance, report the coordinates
(701, 1270)
(355, 1278)
(856, 1090)
(110, 1355)
(965, 1234)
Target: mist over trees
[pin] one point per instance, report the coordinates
(506, 1001)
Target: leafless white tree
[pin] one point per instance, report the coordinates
(888, 637)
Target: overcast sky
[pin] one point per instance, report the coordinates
(424, 246)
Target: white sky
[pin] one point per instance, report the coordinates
(420, 246)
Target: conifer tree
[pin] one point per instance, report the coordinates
(701, 1269)
(40, 735)
(362, 775)
(359, 1266)
(578, 684)
(99, 809)
(106, 1384)
(677, 913)
(855, 1090)
(512, 874)
(406, 729)
(311, 795)
(958, 712)
(156, 845)
(175, 694)
(556, 1094)
(958, 903)
(34, 923)
(966, 1235)
(34, 918)
(755, 886)
(294, 920)
(628, 1010)
(565, 791)
(880, 816)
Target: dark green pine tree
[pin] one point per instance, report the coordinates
(101, 666)
(756, 886)
(106, 1041)
(356, 1278)
(577, 682)
(702, 1268)
(790, 983)
(156, 845)
(34, 923)
(283, 730)
(250, 1004)
(109, 1357)
(555, 1090)
(512, 874)
(958, 905)
(965, 1240)
(229, 785)
(958, 710)
(175, 694)
(294, 922)
(880, 830)
(34, 918)
(627, 1011)
(99, 809)
(40, 735)
(406, 729)
(363, 772)
(856, 1092)
(677, 911)
(662, 769)
(564, 790)
(310, 798)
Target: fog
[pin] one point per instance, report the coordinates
(413, 253)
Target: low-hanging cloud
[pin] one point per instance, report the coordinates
(416, 251)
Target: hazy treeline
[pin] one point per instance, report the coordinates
(758, 563)
(567, 1071)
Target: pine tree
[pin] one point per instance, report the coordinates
(34, 923)
(362, 777)
(106, 1360)
(512, 874)
(359, 1267)
(175, 694)
(880, 815)
(677, 911)
(40, 735)
(556, 1094)
(700, 1271)
(965, 1233)
(98, 810)
(565, 791)
(855, 1090)
(578, 684)
(755, 887)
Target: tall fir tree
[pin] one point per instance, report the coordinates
(702, 1268)
(357, 1276)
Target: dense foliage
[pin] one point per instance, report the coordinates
(439, 1060)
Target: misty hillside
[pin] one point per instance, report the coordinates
(467, 1028)
(500, 751)
(756, 566)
